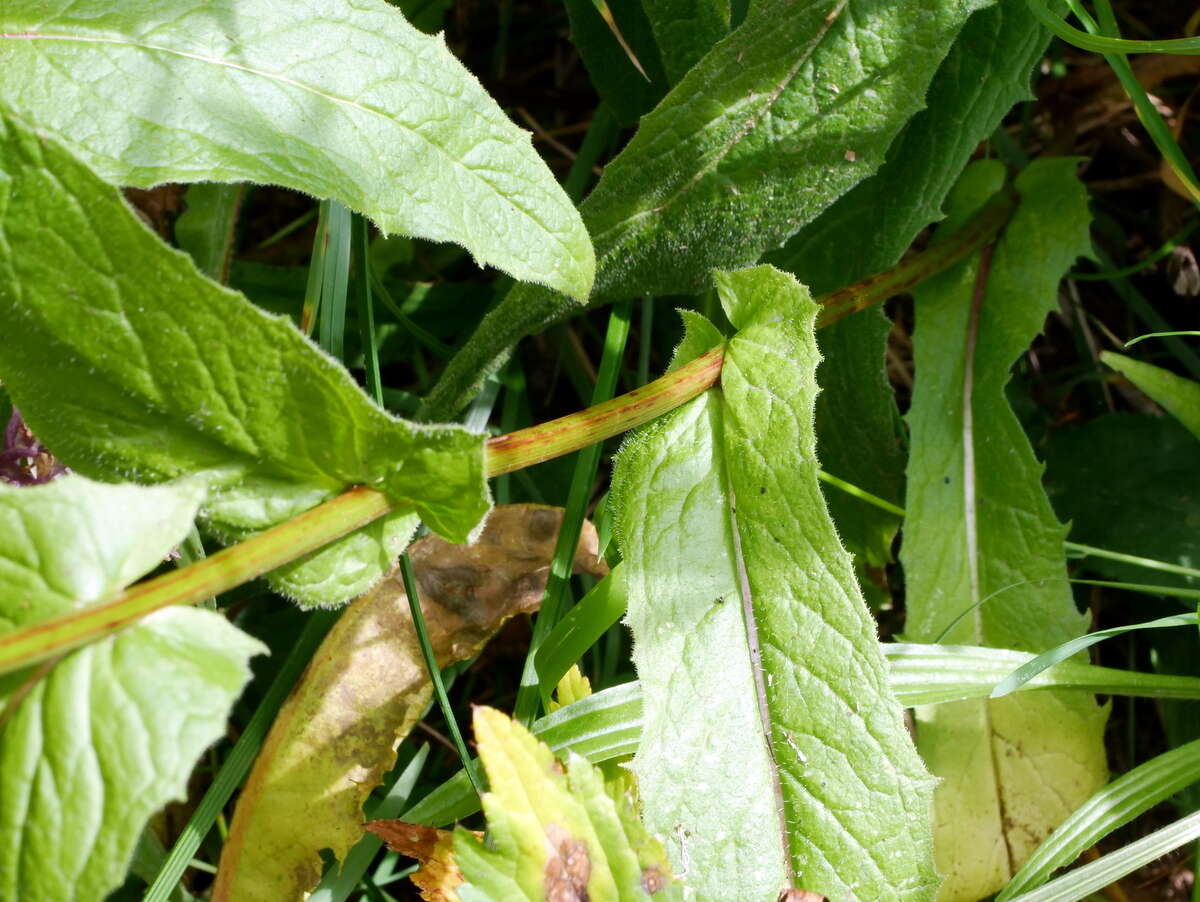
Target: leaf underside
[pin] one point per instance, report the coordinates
(340, 100)
(133, 365)
(727, 544)
(94, 743)
(982, 543)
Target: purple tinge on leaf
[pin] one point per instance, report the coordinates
(24, 460)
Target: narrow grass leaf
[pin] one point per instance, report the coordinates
(608, 724)
(122, 378)
(937, 674)
(344, 101)
(979, 526)
(1046, 659)
(580, 629)
(763, 680)
(95, 742)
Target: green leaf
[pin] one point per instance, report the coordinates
(1115, 805)
(342, 101)
(1178, 396)
(121, 377)
(765, 687)
(206, 228)
(1083, 881)
(581, 628)
(686, 30)
(553, 834)
(936, 674)
(93, 745)
(629, 91)
(364, 691)
(1047, 659)
(779, 119)
(983, 551)
(1129, 482)
(866, 230)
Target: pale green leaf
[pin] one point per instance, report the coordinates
(866, 230)
(95, 744)
(341, 100)
(553, 834)
(983, 551)
(608, 724)
(1113, 806)
(729, 555)
(779, 119)
(131, 364)
(1180, 397)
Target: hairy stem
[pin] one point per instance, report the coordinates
(361, 505)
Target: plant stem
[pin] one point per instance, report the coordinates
(361, 505)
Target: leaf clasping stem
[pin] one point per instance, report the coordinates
(361, 505)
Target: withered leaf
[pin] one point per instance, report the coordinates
(438, 874)
(363, 691)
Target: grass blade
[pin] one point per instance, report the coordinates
(1027, 671)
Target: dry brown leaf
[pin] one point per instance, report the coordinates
(438, 874)
(363, 691)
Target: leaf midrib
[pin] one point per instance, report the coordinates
(310, 89)
(756, 114)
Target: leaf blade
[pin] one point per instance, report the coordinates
(728, 480)
(1019, 765)
(122, 378)
(349, 102)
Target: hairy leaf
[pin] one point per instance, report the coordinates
(767, 703)
(866, 230)
(779, 119)
(337, 733)
(132, 364)
(93, 743)
(983, 550)
(340, 100)
(555, 834)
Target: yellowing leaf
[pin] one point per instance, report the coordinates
(982, 548)
(555, 833)
(367, 686)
